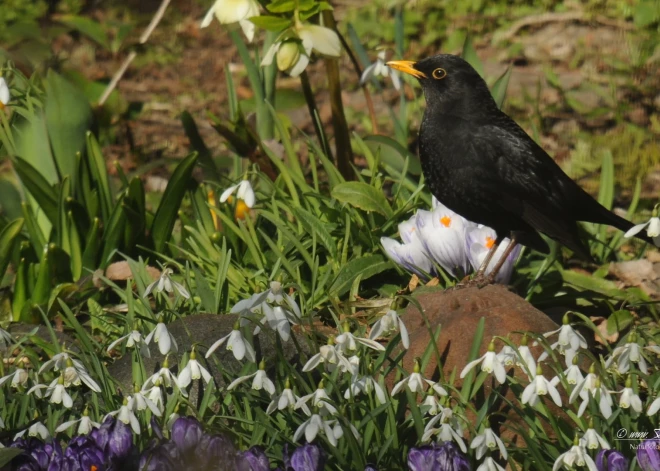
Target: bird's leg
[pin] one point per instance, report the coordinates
(500, 263)
(489, 257)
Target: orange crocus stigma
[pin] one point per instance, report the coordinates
(445, 221)
(242, 210)
(490, 242)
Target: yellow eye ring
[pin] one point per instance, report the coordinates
(439, 74)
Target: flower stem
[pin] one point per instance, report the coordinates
(314, 113)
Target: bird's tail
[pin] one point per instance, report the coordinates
(602, 215)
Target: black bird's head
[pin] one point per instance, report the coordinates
(450, 84)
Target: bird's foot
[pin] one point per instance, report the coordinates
(478, 281)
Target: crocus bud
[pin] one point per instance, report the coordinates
(611, 460)
(308, 457)
(255, 458)
(186, 434)
(648, 455)
(448, 457)
(114, 438)
(164, 457)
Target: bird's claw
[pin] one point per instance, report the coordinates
(478, 281)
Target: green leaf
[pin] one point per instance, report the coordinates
(281, 6)
(499, 87)
(7, 238)
(598, 285)
(163, 223)
(271, 23)
(470, 55)
(99, 175)
(8, 454)
(365, 267)
(90, 28)
(619, 321)
(198, 145)
(363, 196)
(393, 153)
(314, 225)
(44, 194)
(68, 117)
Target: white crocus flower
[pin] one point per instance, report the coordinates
(652, 229)
(416, 382)
(18, 378)
(133, 339)
(347, 342)
(449, 430)
(591, 440)
(576, 456)
(165, 340)
(629, 398)
(365, 384)
(286, 400)
(35, 430)
(260, 380)
(318, 398)
(331, 357)
(442, 233)
(410, 254)
(539, 386)
(489, 464)
(629, 353)
(5, 96)
(193, 370)
(315, 424)
(489, 363)
(244, 193)
(85, 424)
(479, 241)
(126, 415)
(234, 11)
(167, 284)
(390, 322)
(236, 343)
(488, 441)
(323, 40)
(75, 373)
(379, 69)
(5, 337)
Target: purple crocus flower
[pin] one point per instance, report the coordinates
(37, 454)
(370, 467)
(162, 457)
(648, 455)
(213, 449)
(186, 434)
(611, 460)
(84, 450)
(445, 457)
(114, 438)
(255, 459)
(421, 458)
(308, 457)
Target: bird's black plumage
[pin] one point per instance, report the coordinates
(479, 163)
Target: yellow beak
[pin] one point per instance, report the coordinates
(407, 67)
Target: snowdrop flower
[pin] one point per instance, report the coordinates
(592, 440)
(654, 407)
(5, 96)
(292, 56)
(629, 398)
(591, 386)
(489, 464)
(319, 399)
(365, 384)
(652, 228)
(75, 373)
(35, 430)
(507, 356)
(568, 342)
(56, 391)
(347, 342)
(193, 370)
(323, 40)
(155, 395)
(58, 362)
(410, 254)
(126, 415)
(18, 378)
(390, 322)
(278, 310)
(260, 381)
(379, 68)
(450, 429)
(244, 193)
(631, 352)
(442, 233)
(234, 11)
(141, 402)
(134, 339)
(163, 377)
(416, 382)
(167, 284)
(489, 363)
(315, 424)
(573, 374)
(479, 241)
(166, 342)
(488, 441)
(286, 400)
(236, 343)
(331, 357)
(525, 359)
(540, 386)
(576, 456)
(5, 337)
(85, 424)
(431, 404)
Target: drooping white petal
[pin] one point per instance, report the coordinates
(324, 40)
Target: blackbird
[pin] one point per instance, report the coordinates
(479, 163)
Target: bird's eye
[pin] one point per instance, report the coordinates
(439, 74)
